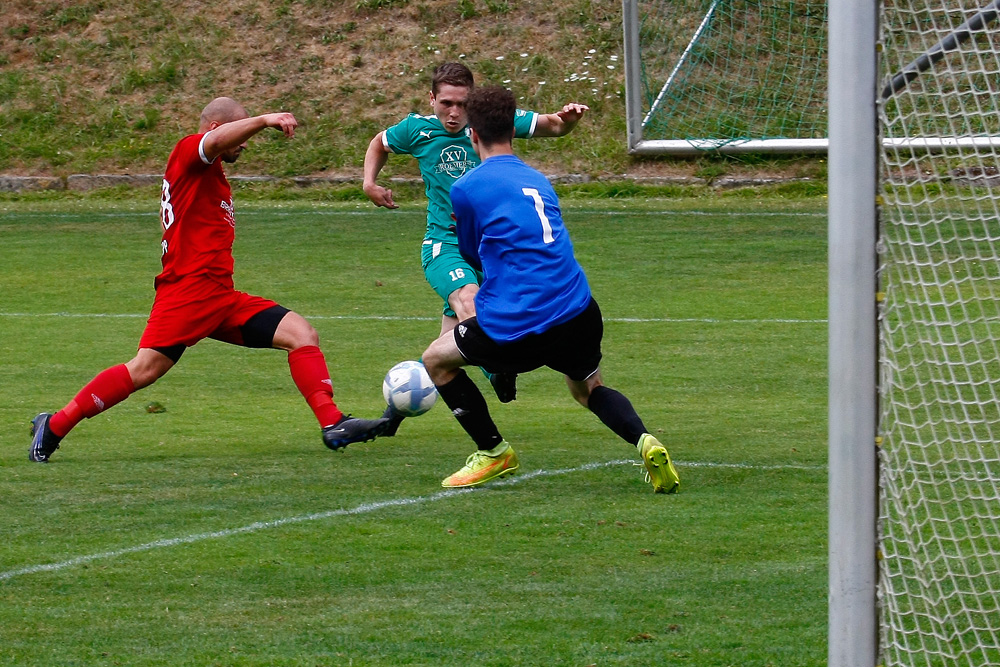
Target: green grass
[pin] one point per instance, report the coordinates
(222, 532)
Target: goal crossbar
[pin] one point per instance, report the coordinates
(802, 146)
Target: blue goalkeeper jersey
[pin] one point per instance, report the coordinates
(510, 227)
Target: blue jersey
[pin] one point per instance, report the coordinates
(510, 227)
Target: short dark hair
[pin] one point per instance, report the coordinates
(452, 74)
(491, 113)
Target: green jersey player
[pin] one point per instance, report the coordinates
(440, 142)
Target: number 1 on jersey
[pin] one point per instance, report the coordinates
(540, 210)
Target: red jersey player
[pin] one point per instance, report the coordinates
(195, 297)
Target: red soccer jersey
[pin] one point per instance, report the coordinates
(196, 213)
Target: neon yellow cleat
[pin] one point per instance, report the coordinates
(483, 466)
(660, 471)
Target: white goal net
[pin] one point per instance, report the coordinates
(939, 334)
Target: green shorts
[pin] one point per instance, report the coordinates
(446, 270)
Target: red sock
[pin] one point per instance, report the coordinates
(311, 376)
(109, 388)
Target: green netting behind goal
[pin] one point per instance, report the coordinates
(722, 71)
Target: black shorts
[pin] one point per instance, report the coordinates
(572, 348)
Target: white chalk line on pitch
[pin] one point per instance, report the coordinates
(404, 318)
(364, 508)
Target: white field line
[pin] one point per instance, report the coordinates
(403, 318)
(364, 508)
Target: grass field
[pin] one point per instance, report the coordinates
(222, 532)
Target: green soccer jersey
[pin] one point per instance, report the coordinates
(443, 159)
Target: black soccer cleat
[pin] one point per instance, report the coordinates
(505, 386)
(351, 429)
(393, 420)
(43, 440)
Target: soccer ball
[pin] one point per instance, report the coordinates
(408, 389)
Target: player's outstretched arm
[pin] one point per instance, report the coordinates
(230, 135)
(561, 122)
(375, 158)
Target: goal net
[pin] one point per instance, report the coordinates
(939, 334)
(726, 75)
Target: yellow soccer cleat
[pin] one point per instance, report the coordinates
(483, 466)
(660, 471)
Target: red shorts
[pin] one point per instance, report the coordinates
(185, 312)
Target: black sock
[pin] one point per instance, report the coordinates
(466, 402)
(617, 413)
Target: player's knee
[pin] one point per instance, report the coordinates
(142, 380)
(463, 301)
(294, 332)
(308, 336)
(469, 299)
(580, 396)
(435, 362)
(430, 360)
(304, 340)
(582, 389)
(146, 369)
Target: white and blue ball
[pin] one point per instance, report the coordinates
(408, 389)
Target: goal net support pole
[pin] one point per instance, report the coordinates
(680, 63)
(852, 354)
(961, 34)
